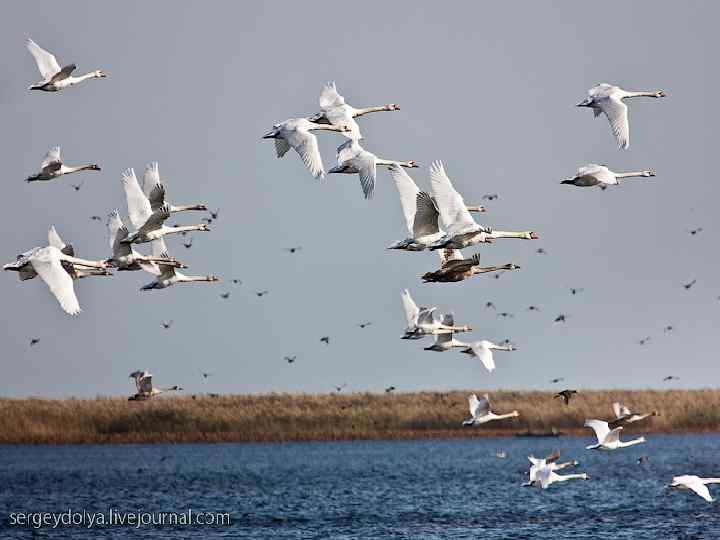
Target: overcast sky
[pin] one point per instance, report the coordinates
(489, 88)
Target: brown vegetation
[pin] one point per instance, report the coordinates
(305, 417)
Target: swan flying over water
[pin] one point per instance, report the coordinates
(608, 439)
(481, 413)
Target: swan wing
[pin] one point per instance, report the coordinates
(616, 406)
(329, 97)
(306, 145)
(484, 405)
(157, 197)
(52, 159)
(408, 191)
(49, 268)
(616, 112)
(600, 428)
(156, 220)
(449, 255)
(367, 170)
(145, 384)
(474, 403)
(612, 436)
(151, 176)
(552, 458)
(426, 316)
(117, 232)
(46, 62)
(697, 485)
(598, 173)
(139, 210)
(411, 309)
(54, 239)
(159, 249)
(450, 203)
(426, 216)
(281, 147)
(484, 354)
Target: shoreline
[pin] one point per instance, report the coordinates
(340, 417)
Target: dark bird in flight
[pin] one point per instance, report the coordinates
(207, 220)
(34, 341)
(188, 244)
(290, 359)
(184, 233)
(688, 285)
(566, 395)
(96, 218)
(669, 328)
(490, 196)
(294, 249)
(205, 375)
(695, 231)
(557, 380)
(540, 251)
(325, 340)
(489, 305)
(364, 324)
(77, 187)
(389, 389)
(642, 460)
(497, 276)
(671, 378)
(560, 318)
(338, 389)
(261, 293)
(215, 214)
(167, 325)
(505, 314)
(225, 295)
(236, 281)
(575, 291)
(643, 341)
(533, 308)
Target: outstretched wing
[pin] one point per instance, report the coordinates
(329, 97)
(616, 112)
(64, 73)
(46, 62)
(474, 403)
(366, 164)
(484, 354)
(139, 209)
(600, 428)
(117, 232)
(306, 145)
(52, 159)
(426, 216)
(155, 220)
(58, 281)
(612, 436)
(411, 309)
(54, 239)
(157, 197)
(408, 191)
(151, 176)
(450, 203)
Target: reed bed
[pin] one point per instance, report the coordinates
(335, 417)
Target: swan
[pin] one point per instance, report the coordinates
(546, 476)
(593, 174)
(608, 439)
(550, 461)
(623, 415)
(566, 395)
(166, 274)
(481, 413)
(446, 340)
(47, 262)
(462, 230)
(421, 321)
(483, 350)
(154, 190)
(295, 133)
(150, 225)
(354, 159)
(54, 78)
(124, 256)
(608, 99)
(453, 267)
(695, 483)
(145, 388)
(421, 212)
(334, 110)
(52, 167)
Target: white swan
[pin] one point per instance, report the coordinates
(550, 461)
(150, 225)
(546, 476)
(695, 483)
(462, 230)
(295, 134)
(145, 388)
(446, 340)
(54, 78)
(421, 322)
(608, 99)
(608, 439)
(47, 262)
(354, 159)
(623, 415)
(52, 167)
(422, 217)
(167, 276)
(334, 110)
(481, 413)
(124, 256)
(154, 190)
(593, 174)
(483, 350)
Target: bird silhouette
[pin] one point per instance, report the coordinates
(489, 305)
(215, 214)
(533, 308)
(566, 395)
(167, 325)
(644, 340)
(225, 295)
(575, 291)
(695, 231)
(96, 218)
(540, 251)
(34, 341)
(390, 389)
(505, 314)
(205, 375)
(490, 196)
(338, 389)
(364, 325)
(561, 318)
(77, 187)
(669, 328)
(236, 281)
(557, 380)
(207, 220)
(290, 359)
(188, 244)
(261, 293)
(671, 378)
(294, 249)
(325, 340)
(689, 285)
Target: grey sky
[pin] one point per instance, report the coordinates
(489, 88)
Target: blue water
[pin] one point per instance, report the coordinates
(416, 489)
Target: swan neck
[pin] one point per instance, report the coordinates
(366, 110)
(631, 174)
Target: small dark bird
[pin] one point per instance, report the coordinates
(644, 341)
(669, 328)
(533, 308)
(490, 196)
(215, 214)
(236, 281)
(96, 218)
(566, 395)
(293, 249)
(557, 380)
(695, 231)
(290, 359)
(505, 314)
(167, 325)
(364, 324)
(497, 276)
(205, 375)
(507, 341)
(576, 291)
(188, 244)
(389, 389)
(643, 460)
(184, 233)
(225, 295)
(164, 458)
(207, 220)
(77, 187)
(688, 285)
(338, 389)
(560, 318)
(671, 378)
(541, 251)
(261, 293)
(325, 340)
(34, 341)
(489, 305)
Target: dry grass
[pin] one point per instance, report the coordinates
(304, 417)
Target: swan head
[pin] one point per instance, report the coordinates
(272, 134)
(585, 476)
(212, 277)
(100, 74)
(649, 173)
(203, 227)
(479, 209)
(515, 414)
(412, 164)
(587, 102)
(392, 107)
(568, 181)
(532, 235)
(94, 167)
(660, 93)
(511, 266)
